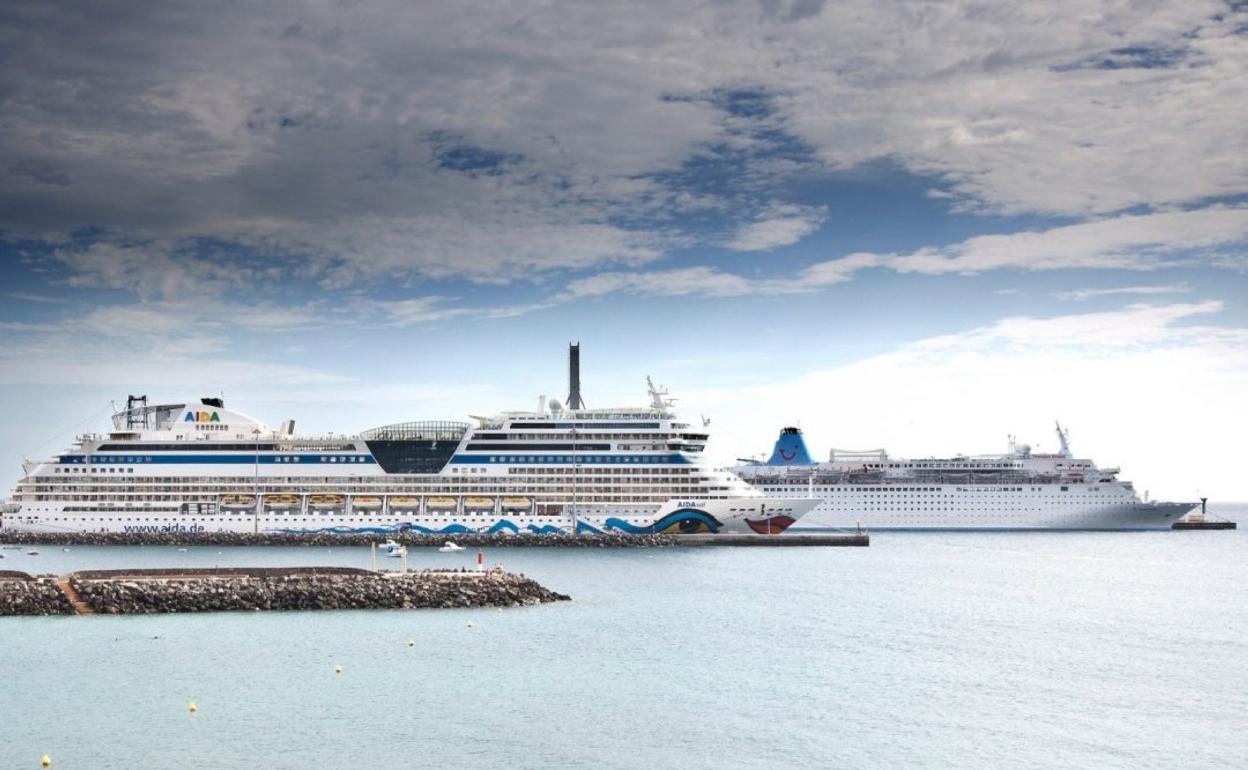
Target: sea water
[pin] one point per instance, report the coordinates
(1070, 650)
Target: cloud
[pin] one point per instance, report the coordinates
(1130, 242)
(1078, 295)
(779, 226)
(498, 142)
(702, 281)
(1139, 387)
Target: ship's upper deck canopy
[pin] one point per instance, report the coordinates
(209, 415)
(420, 430)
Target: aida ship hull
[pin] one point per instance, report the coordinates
(729, 516)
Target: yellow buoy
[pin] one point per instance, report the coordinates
(46, 761)
(411, 642)
(192, 707)
(470, 625)
(337, 669)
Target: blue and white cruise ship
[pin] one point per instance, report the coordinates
(200, 467)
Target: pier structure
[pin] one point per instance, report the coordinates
(1202, 520)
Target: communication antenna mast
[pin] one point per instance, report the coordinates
(136, 416)
(574, 376)
(1064, 438)
(659, 398)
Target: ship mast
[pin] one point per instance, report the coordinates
(1064, 438)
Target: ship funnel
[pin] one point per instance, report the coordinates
(790, 449)
(574, 376)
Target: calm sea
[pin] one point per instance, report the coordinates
(925, 650)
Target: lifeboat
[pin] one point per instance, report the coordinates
(282, 501)
(478, 503)
(238, 501)
(440, 502)
(326, 501)
(516, 503)
(404, 501)
(366, 502)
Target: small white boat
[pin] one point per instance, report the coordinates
(181, 550)
(32, 552)
(397, 551)
(450, 548)
(65, 549)
(390, 546)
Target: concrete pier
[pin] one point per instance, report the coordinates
(1203, 523)
(1201, 520)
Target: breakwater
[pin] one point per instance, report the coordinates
(23, 594)
(412, 540)
(146, 591)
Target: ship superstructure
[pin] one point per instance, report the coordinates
(1016, 490)
(190, 466)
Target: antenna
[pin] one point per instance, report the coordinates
(134, 404)
(1064, 438)
(574, 376)
(659, 398)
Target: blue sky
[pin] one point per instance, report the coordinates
(922, 226)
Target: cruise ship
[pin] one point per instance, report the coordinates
(1016, 490)
(200, 467)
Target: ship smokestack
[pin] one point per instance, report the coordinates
(574, 376)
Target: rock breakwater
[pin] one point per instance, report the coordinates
(22, 594)
(118, 592)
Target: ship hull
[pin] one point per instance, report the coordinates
(696, 516)
(1108, 517)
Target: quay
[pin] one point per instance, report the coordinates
(145, 591)
(853, 539)
(1204, 524)
(1202, 521)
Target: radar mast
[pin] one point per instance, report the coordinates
(1063, 437)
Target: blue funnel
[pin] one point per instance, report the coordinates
(790, 449)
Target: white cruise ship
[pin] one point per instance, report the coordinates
(1016, 490)
(199, 467)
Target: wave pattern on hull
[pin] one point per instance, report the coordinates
(686, 521)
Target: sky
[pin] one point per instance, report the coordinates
(922, 226)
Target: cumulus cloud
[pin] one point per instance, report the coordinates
(779, 226)
(1139, 387)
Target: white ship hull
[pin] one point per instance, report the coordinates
(676, 517)
(953, 510)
